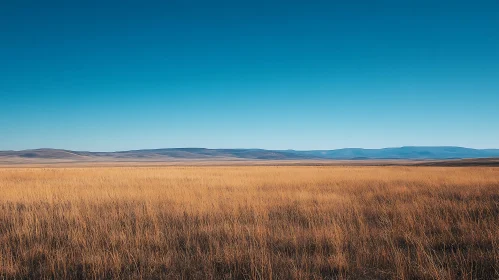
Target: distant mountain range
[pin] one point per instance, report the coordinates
(408, 153)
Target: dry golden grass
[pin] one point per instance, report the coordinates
(260, 222)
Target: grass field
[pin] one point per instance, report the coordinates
(254, 222)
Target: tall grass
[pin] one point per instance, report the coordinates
(249, 223)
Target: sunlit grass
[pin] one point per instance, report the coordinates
(264, 222)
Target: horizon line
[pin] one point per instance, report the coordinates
(300, 150)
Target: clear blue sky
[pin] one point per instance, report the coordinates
(117, 75)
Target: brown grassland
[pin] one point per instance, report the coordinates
(249, 222)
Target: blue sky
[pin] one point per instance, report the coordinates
(118, 75)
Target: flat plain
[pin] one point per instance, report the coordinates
(249, 222)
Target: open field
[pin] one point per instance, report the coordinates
(45, 163)
(249, 222)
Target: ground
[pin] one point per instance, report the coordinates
(249, 222)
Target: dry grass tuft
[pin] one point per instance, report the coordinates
(249, 223)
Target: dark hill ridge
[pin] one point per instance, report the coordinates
(42, 153)
(219, 153)
(410, 153)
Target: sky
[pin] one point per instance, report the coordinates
(119, 75)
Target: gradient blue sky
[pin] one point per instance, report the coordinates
(117, 75)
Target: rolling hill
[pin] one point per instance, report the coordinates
(402, 153)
